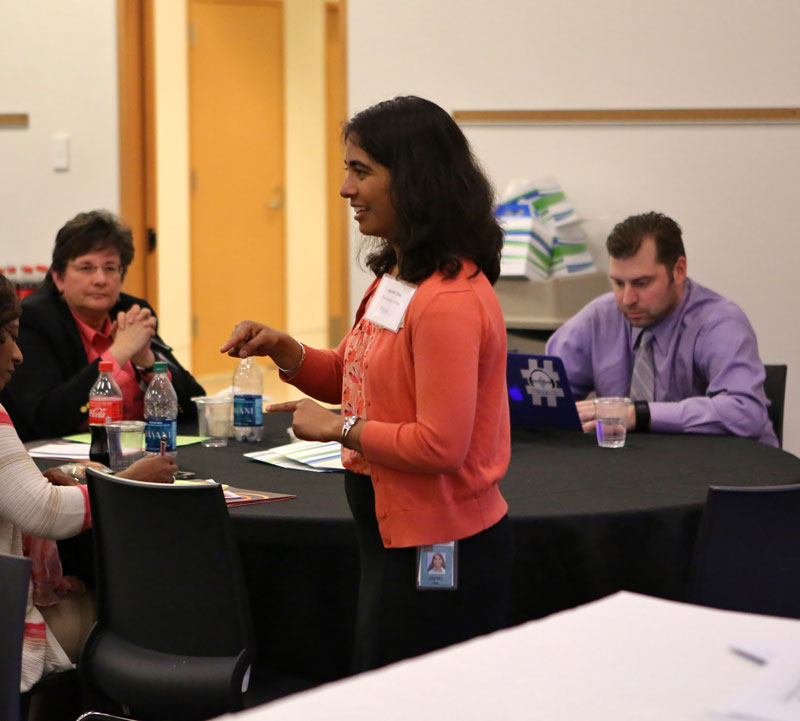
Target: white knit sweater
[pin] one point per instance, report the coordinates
(29, 503)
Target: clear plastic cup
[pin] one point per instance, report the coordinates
(125, 443)
(611, 421)
(214, 420)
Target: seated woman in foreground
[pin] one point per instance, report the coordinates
(33, 507)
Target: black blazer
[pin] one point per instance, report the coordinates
(48, 395)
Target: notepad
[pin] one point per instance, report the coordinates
(303, 456)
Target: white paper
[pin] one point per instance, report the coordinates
(63, 449)
(303, 455)
(760, 651)
(772, 695)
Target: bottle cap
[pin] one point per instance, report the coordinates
(160, 367)
(106, 366)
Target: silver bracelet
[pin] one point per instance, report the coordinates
(290, 371)
(349, 422)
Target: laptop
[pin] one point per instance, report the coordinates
(539, 395)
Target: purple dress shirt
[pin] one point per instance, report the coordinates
(709, 377)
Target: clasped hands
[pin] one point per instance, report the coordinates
(132, 331)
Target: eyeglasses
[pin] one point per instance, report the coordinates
(89, 269)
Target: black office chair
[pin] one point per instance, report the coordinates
(775, 390)
(15, 573)
(173, 638)
(747, 548)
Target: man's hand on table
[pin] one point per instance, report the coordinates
(586, 412)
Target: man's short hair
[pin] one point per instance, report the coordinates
(88, 232)
(627, 236)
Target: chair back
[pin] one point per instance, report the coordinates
(173, 636)
(775, 390)
(747, 549)
(15, 573)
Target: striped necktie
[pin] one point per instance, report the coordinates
(644, 372)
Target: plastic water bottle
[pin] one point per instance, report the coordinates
(105, 403)
(161, 413)
(248, 390)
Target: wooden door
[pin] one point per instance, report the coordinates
(237, 172)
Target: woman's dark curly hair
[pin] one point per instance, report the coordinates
(9, 303)
(443, 200)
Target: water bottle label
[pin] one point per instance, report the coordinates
(247, 410)
(101, 409)
(155, 429)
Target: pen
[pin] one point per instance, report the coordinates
(163, 444)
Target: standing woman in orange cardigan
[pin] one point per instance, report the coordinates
(421, 381)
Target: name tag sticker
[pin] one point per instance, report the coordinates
(388, 305)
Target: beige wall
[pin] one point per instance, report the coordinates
(57, 64)
(732, 188)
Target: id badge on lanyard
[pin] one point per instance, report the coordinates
(387, 307)
(437, 567)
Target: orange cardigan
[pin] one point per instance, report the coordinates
(437, 432)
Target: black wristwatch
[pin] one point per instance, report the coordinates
(642, 411)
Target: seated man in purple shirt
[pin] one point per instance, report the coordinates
(705, 372)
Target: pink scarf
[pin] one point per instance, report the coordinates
(49, 581)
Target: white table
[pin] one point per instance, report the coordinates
(623, 657)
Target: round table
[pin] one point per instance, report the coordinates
(588, 521)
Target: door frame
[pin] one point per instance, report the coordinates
(136, 78)
(338, 224)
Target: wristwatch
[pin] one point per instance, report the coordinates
(641, 410)
(349, 422)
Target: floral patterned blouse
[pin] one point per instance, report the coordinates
(355, 353)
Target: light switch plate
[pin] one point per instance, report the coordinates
(59, 151)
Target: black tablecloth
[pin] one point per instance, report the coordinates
(588, 521)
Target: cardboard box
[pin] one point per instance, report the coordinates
(547, 304)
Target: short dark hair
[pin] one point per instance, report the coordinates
(87, 232)
(627, 236)
(444, 202)
(9, 302)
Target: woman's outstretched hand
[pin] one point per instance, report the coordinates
(311, 421)
(250, 338)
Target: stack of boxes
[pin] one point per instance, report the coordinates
(543, 235)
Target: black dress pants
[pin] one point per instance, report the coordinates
(397, 621)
